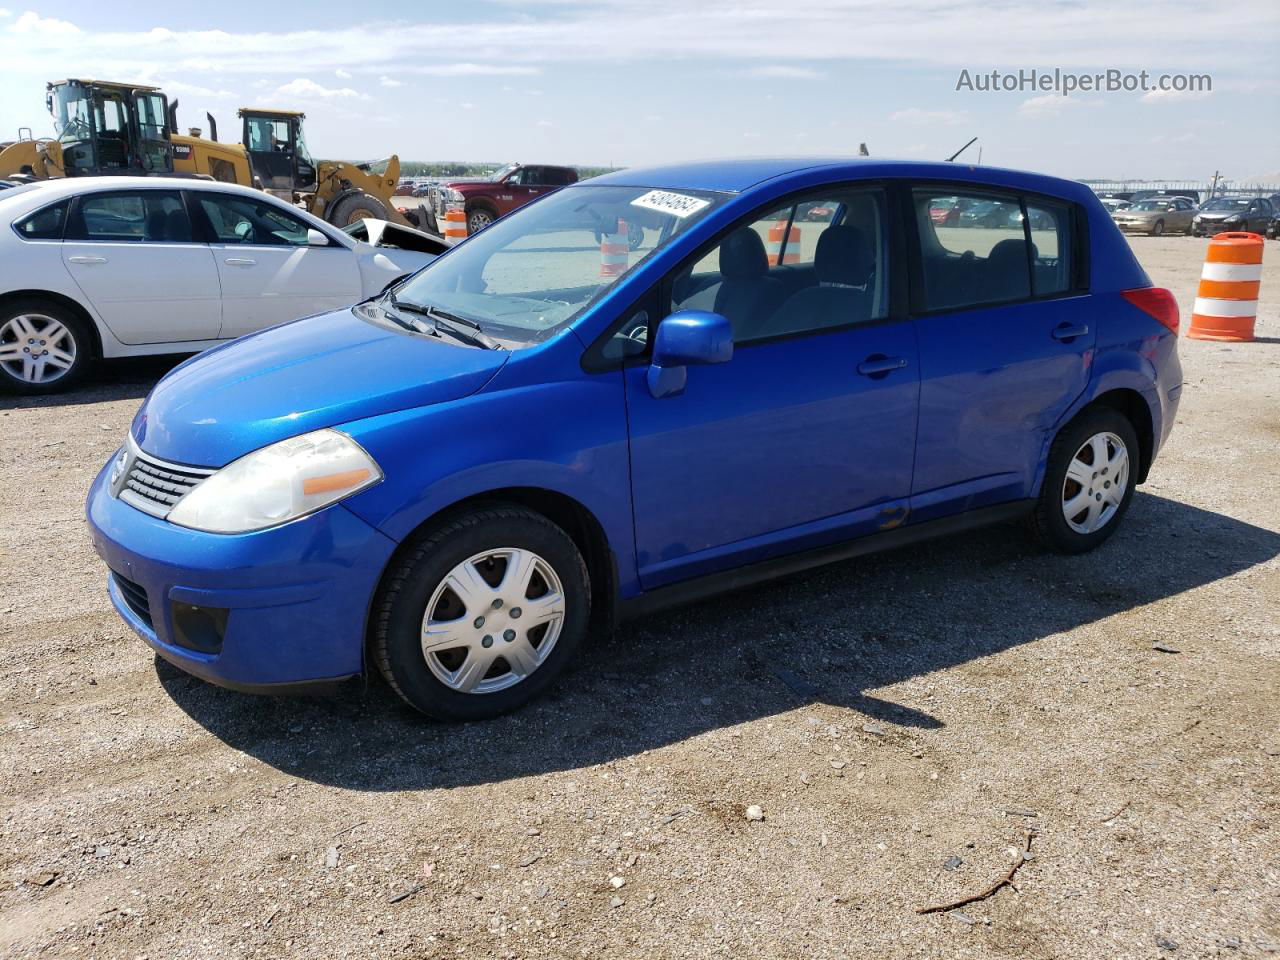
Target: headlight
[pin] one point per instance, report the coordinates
(279, 483)
(117, 469)
(1234, 218)
(454, 196)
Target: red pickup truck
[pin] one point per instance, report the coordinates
(485, 200)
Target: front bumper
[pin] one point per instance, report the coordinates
(290, 603)
(1209, 228)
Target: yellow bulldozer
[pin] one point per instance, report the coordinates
(121, 128)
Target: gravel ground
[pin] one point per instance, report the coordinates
(901, 721)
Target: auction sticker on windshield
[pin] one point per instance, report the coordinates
(676, 204)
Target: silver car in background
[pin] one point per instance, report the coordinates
(1156, 216)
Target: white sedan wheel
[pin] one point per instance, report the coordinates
(36, 348)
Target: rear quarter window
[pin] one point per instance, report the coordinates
(44, 224)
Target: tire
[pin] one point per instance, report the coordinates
(479, 217)
(1049, 520)
(25, 320)
(1158, 229)
(357, 206)
(434, 682)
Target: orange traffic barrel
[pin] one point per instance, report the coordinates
(455, 223)
(1227, 302)
(778, 251)
(614, 252)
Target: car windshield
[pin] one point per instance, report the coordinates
(529, 274)
(1227, 203)
(1151, 205)
(501, 174)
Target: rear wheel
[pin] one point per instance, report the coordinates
(482, 614)
(1089, 481)
(357, 206)
(44, 347)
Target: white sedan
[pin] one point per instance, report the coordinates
(124, 266)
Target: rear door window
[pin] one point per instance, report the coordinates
(973, 249)
(136, 216)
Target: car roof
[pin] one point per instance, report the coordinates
(742, 175)
(69, 186)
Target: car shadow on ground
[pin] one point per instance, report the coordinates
(130, 379)
(827, 636)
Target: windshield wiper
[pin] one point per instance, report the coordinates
(460, 328)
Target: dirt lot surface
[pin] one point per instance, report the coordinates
(901, 721)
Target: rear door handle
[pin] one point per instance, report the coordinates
(87, 259)
(239, 262)
(1069, 331)
(877, 365)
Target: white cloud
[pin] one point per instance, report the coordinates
(469, 70)
(389, 82)
(785, 72)
(31, 22)
(5, 13)
(309, 89)
(1172, 96)
(545, 123)
(1052, 104)
(342, 74)
(916, 115)
(172, 87)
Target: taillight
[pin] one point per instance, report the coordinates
(1156, 302)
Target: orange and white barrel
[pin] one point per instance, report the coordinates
(774, 246)
(455, 223)
(1227, 301)
(614, 252)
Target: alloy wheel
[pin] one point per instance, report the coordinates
(1096, 481)
(478, 220)
(493, 620)
(36, 348)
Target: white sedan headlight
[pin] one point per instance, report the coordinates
(279, 483)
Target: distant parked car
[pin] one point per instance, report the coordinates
(1252, 214)
(125, 266)
(985, 213)
(1192, 195)
(1112, 204)
(1273, 228)
(1156, 216)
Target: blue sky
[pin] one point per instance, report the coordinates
(614, 82)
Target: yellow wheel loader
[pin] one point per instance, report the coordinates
(118, 128)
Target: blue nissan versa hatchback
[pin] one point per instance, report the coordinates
(798, 363)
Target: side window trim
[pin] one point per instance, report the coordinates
(212, 237)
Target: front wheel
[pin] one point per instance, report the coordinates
(481, 614)
(1158, 229)
(355, 207)
(1089, 481)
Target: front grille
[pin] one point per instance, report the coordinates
(154, 486)
(134, 596)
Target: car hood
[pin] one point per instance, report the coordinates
(317, 372)
(1219, 214)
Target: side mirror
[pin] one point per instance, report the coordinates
(684, 339)
(315, 238)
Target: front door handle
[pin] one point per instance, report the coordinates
(239, 262)
(87, 259)
(1069, 331)
(877, 365)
